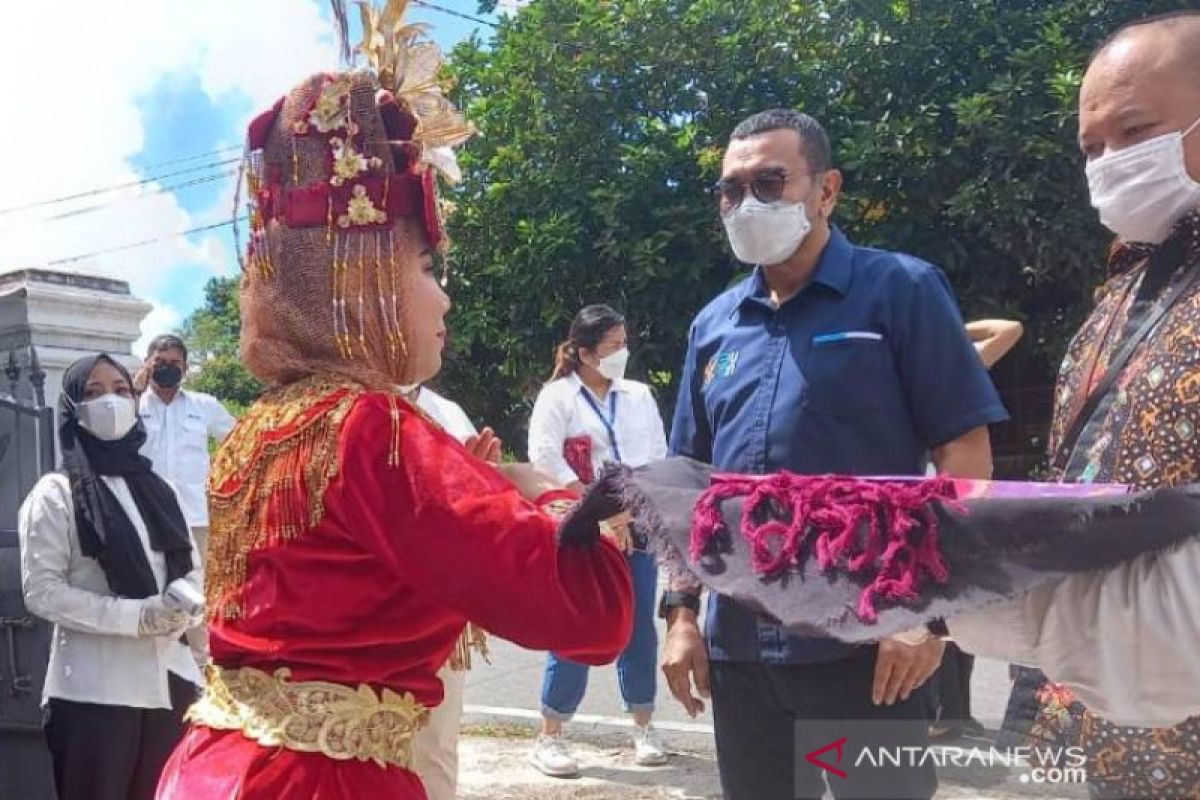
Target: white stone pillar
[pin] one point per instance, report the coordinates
(66, 316)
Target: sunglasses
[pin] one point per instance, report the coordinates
(767, 188)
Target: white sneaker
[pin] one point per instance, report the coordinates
(551, 757)
(647, 749)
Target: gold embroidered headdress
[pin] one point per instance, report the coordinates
(342, 188)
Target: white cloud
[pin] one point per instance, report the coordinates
(160, 319)
(76, 71)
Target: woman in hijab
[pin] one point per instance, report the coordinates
(100, 543)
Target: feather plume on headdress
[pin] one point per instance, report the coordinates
(409, 69)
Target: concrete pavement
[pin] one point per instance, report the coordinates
(503, 701)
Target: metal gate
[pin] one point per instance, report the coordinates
(26, 453)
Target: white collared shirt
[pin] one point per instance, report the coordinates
(177, 435)
(96, 655)
(563, 411)
(447, 413)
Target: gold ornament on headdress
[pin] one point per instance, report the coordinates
(410, 69)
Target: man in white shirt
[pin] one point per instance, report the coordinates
(179, 424)
(435, 750)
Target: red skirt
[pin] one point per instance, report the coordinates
(224, 765)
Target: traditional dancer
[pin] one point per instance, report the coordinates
(352, 538)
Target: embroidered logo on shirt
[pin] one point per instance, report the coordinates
(721, 365)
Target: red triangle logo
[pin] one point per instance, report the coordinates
(839, 746)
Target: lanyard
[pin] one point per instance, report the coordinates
(608, 421)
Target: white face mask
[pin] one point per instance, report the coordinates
(1143, 190)
(766, 233)
(612, 366)
(108, 417)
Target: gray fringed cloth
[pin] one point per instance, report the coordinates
(860, 559)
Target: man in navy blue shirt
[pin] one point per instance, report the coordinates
(829, 358)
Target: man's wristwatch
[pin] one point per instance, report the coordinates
(935, 629)
(671, 600)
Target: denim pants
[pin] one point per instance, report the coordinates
(565, 681)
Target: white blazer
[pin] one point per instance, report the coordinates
(96, 655)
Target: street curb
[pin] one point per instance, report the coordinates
(692, 737)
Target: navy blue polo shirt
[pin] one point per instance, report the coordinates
(862, 372)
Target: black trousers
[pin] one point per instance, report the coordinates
(951, 685)
(103, 752)
(768, 718)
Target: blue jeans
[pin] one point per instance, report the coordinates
(565, 681)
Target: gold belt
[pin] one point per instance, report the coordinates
(340, 722)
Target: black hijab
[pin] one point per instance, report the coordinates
(104, 529)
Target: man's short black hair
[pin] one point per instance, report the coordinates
(166, 341)
(1169, 19)
(814, 142)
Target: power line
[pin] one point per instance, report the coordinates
(144, 243)
(219, 151)
(451, 12)
(116, 187)
(157, 190)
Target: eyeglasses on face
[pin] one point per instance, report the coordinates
(767, 187)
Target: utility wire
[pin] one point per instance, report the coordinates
(451, 12)
(218, 152)
(157, 190)
(116, 187)
(144, 243)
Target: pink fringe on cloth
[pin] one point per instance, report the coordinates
(884, 530)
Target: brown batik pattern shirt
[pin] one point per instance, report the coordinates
(1147, 432)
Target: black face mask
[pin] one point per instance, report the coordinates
(167, 376)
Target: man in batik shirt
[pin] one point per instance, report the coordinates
(1126, 408)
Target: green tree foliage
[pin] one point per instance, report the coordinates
(211, 333)
(603, 122)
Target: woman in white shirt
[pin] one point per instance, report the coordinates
(100, 543)
(588, 415)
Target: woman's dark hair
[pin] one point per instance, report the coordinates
(588, 330)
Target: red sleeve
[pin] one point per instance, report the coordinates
(460, 533)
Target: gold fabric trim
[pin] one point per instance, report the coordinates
(472, 638)
(268, 479)
(340, 722)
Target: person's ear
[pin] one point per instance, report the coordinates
(831, 190)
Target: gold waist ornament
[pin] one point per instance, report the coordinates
(341, 722)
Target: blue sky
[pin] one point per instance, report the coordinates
(181, 120)
(128, 87)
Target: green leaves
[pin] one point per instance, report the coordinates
(604, 123)
(212, 332)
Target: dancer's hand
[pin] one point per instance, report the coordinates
(485, 446)
(685, 660)
(530, 481)
(903, 665)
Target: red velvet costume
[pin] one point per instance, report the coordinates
(351, 538)
(416, 538)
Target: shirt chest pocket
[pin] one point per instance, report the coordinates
(848, 377)
(194, 434)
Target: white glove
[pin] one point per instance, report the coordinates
(158, 620)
